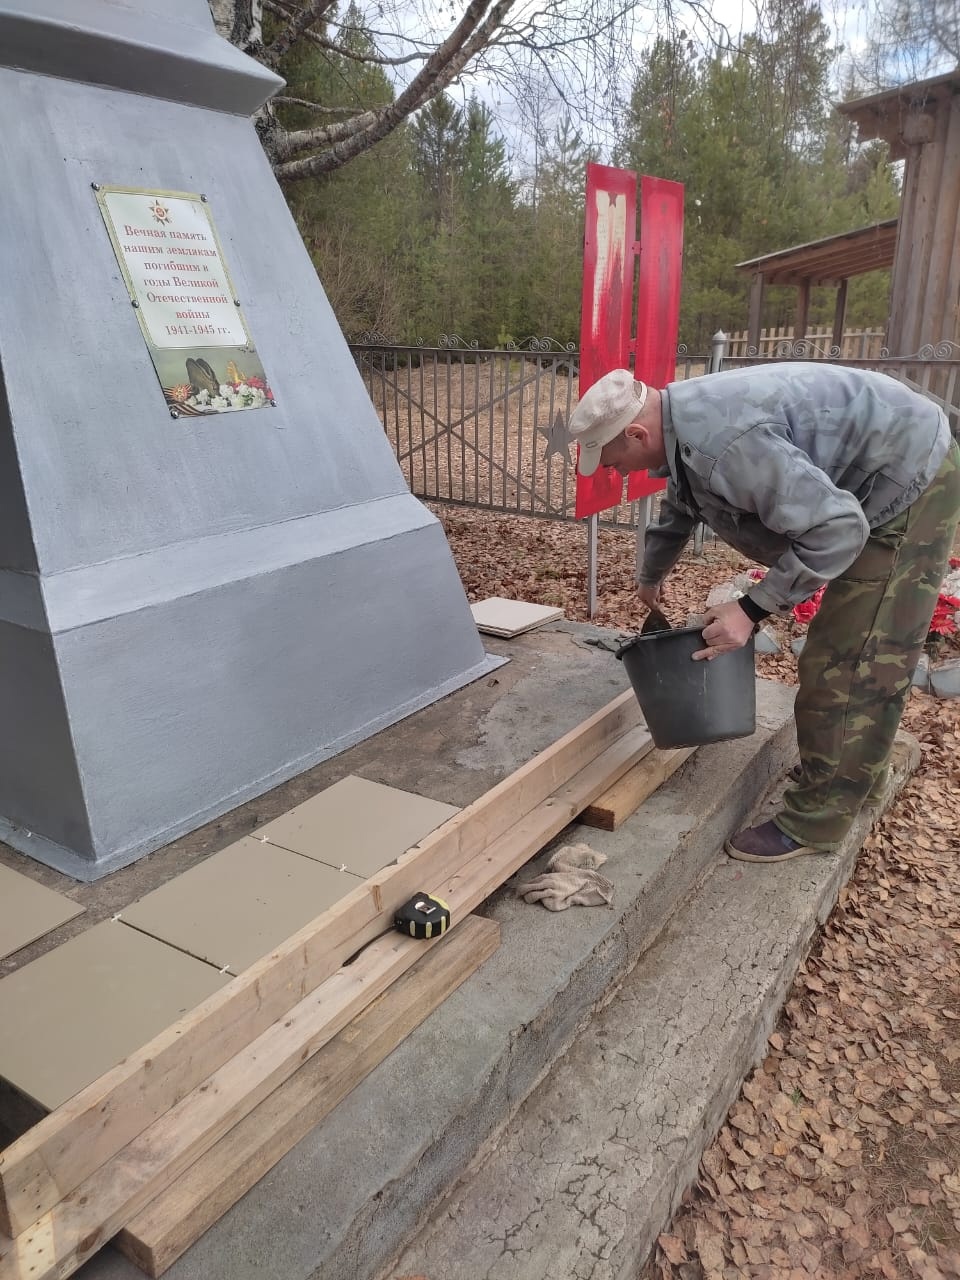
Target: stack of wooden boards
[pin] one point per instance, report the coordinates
(163, 1144)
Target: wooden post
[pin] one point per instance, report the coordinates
(756, 305)
(803, 309)
(941, 319)
(837, 340)
(919, 324)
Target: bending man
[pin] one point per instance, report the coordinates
(825, 474)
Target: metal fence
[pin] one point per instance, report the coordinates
(487, 428)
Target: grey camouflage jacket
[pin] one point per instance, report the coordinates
(793, 465)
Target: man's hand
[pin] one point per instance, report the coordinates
(726, 628)
(652, 597)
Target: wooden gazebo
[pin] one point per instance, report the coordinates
(921, 124)
(828, 262)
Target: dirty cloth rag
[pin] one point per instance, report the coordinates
(570, 880)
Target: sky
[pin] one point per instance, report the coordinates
(515, 113)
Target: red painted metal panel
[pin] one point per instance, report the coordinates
(607, 303)
(658, 296)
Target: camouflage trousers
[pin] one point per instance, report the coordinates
(861, 651)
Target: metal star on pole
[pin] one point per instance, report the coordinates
(557, 439)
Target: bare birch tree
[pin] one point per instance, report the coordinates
(907, 40)
(578, 48)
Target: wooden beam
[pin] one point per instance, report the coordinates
(941, 312)
(916, 328)
(837, 255)
(611, 810)
(905, 268)
(74, 1229)
(833, 261)
(918, 129)
(178, 1217)
(827, 282)
(57, 1155)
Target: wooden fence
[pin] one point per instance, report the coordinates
(856, 344)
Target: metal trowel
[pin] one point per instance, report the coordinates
(656, 621)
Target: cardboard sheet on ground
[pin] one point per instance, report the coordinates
(84, 1006)
(29, 910)
(507, 618)
(241, 903)
(357, 824)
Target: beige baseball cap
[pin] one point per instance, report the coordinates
(612, 403)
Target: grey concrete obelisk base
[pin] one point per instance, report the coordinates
(191, 610)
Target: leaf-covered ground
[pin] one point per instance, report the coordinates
(841, 1159)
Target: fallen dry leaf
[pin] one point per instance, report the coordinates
(673, 1248)
(899, 1219)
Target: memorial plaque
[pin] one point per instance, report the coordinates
(190, 316)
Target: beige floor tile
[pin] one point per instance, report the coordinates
(84, 1006)
(240, 903)
(506, 618)
(29, 910)
(357, 824)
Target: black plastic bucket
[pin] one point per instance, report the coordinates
(687, 703)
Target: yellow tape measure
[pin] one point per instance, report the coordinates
(423, 917)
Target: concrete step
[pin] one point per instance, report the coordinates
(592, 1166)
(349, 1196)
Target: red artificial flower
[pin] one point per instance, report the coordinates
(943, 622)
(805, 611)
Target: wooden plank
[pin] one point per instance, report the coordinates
(474, 882)
(180, 1215)
(53, 1159)
(624, 797)
(69, 1233)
